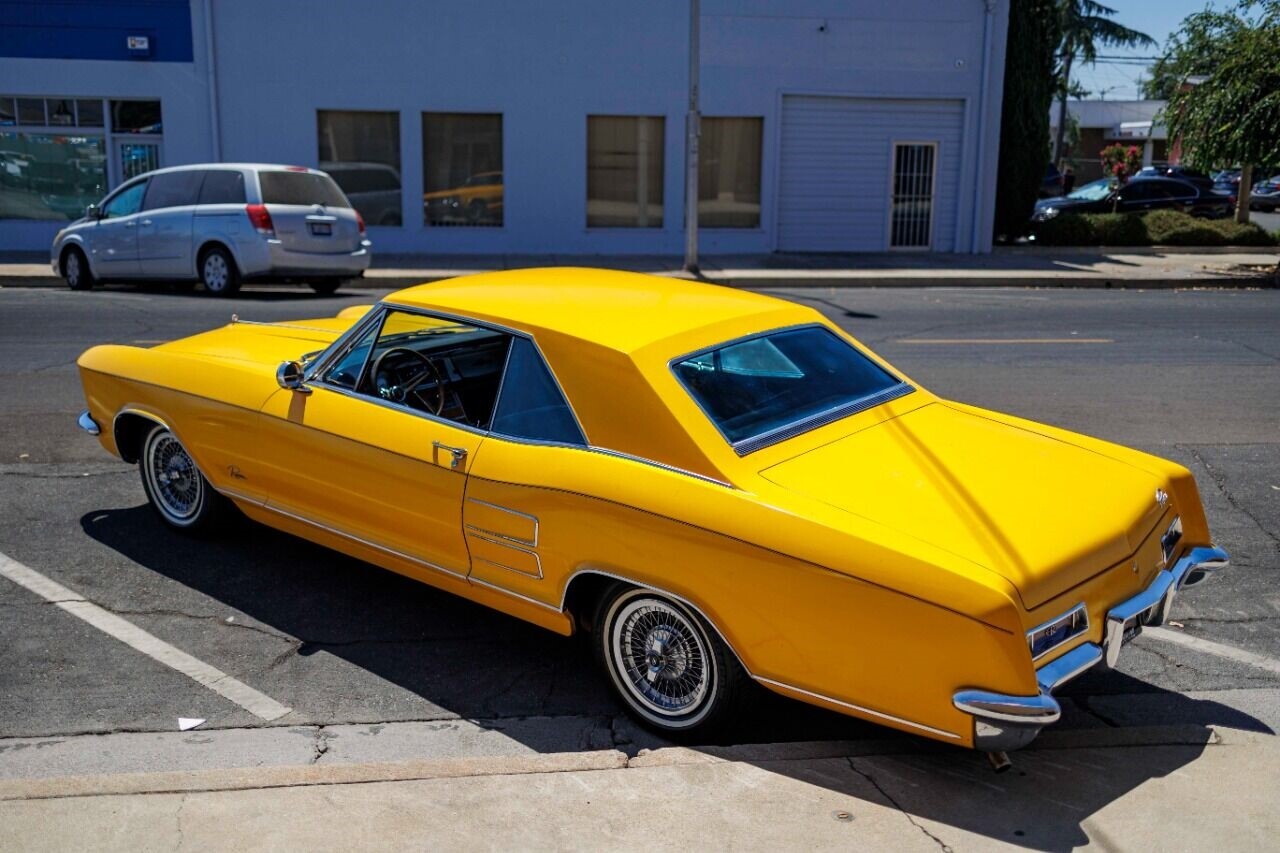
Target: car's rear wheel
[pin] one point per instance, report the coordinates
(75, 269)
(177, 490)
(218, 272)
(666, 665)
(327, 286)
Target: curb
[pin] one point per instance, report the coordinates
(251, 778)
(1262, 281)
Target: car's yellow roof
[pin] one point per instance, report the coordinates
(620, 310)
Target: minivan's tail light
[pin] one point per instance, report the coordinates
(260, 219)
(360, 222)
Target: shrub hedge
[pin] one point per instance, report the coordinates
(1157, 228)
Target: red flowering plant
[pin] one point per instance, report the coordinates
(1119, 163)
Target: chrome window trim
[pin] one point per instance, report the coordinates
(751, 444)
(1084, 630)
(383, 308)
(474, 533)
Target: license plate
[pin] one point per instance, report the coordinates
(321, 229)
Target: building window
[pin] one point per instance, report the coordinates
(43, 176)
(624, 171)
(462, 169)
(361, 152)
(56, 158)
(729, 173)
(911, 209)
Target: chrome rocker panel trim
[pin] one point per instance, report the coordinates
(1002, 722)
(88, 424)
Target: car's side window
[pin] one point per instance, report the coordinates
(442, 367)
(126, 202)
(222, 186)
(172, 189)
(531, 405)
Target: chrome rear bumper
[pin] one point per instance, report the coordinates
(1003, 722)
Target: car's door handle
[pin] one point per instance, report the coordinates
(131, 224)
(456, 454)
(146, 222)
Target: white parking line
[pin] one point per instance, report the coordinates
(1212, 648)
(258, 704)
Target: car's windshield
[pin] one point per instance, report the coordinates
(766, 388)
(1092, 191)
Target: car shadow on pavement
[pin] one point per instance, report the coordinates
(256, 293)
(307, 605)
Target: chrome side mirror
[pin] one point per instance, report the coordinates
(290, 375)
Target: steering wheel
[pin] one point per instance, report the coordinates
(400, 391)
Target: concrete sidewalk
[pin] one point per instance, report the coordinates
(1184, 787)
(1007, 267)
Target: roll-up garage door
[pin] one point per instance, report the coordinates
(837, 183)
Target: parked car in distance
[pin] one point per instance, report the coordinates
(1139, 195)
(219, 224)
(477, 201)
(372, 188)
(716, 486)
(1181, 173)
(1053, 183)
(1265, 194)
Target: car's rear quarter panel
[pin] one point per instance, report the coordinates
(788, 617)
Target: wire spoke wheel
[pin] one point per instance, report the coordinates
(174, 482)
(661, 660)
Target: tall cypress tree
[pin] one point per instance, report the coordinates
(1035, 29)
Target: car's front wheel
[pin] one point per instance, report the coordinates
(75, 269)
(177, 490)
(668, 667)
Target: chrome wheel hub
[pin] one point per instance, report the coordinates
(661, 658)
(215, 272)
(173, 477)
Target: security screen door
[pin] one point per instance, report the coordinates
(911, 208)
(137, 157)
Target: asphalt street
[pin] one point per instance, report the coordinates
(1191, 375)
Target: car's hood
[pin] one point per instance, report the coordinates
(263, 343)
(1044, 514)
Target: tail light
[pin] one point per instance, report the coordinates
(360, 222)
(260, 219)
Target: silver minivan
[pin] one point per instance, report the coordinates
(219, 224)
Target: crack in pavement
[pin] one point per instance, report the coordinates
(33, 475)
(1221, 482)
(910, 818)
(320, 744)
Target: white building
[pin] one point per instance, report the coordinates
(516, 127)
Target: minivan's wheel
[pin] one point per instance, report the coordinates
(668, 667)
(174, 485)
(327, 286)
(218, 272)
(75, 269)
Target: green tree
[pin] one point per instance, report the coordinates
(1233, 115)
(1086, 25)
(1024, 121)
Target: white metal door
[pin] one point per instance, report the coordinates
(835, 175)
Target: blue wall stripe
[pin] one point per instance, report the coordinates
(73, 29)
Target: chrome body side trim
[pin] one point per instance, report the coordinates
(509, 511)
(472, 532)
(88, 424)
(858, 708)
(506, 591)
(359, 540)
(1003, 722)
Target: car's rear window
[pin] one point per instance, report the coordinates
(767, 388)
(300, 188)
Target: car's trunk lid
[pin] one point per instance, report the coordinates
(1044, 514)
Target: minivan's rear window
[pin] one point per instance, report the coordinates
(767, 388)
(301, 188)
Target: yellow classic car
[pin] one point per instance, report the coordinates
(718, 486)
